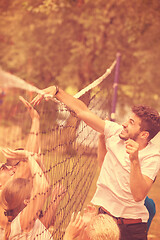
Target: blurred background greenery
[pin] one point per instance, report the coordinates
(72, 42)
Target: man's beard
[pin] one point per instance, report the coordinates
(123, 138)
(134, 137)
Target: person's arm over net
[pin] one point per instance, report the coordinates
(74, 104)
(39, 191)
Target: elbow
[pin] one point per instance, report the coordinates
(139, 194)
(138, 198)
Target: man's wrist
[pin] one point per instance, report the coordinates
(135, 162)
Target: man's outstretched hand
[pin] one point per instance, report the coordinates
(47, 93)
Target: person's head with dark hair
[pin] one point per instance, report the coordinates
(142, 126)
(150, 119)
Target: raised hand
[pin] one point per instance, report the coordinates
(74, 227)
(47, 93)
(33, 113)
(48, 218)
(132, 149)
(15, 154)
(89, 212)
(58, 194)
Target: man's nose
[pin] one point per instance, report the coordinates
(125, 124)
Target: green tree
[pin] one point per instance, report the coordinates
(71, 43)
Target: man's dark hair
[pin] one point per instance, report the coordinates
(150, 119)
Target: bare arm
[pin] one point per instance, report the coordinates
(57, 195)
(76, 105)
(33, 140)
(139, 184)
(101, 149)
(40, 191)
(33, 145)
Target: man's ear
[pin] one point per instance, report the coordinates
(145, 135)
(26, 201)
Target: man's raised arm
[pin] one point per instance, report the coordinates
(75, 105)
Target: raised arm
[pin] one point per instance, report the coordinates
(139, 183)
(40, 189)
(39, 194)
(74, 104)
(57, 195)
(101, 152)
(33, 141)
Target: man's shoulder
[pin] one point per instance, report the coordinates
(151, 150)
(154, 147)
(112, 128)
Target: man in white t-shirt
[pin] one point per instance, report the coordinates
(118, 191)
(130, 165)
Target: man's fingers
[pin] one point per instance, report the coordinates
(5, 153)
(11, 154)
(91, 208)
(26, 103)
(22, 99)
(37, 99)
(8, 154)
(130, 147)
(47, 93)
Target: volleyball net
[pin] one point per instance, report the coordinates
(67, 145)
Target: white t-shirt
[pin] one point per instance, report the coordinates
(38, 232)
(113, 187)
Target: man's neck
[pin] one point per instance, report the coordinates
(142, 145)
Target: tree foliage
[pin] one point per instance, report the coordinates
(72, 42)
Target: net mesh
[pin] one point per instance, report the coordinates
(68, 145)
